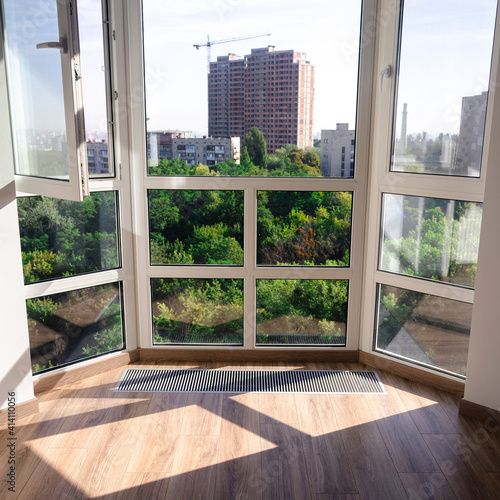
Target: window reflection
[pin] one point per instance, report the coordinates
(424, 328)
(74, 325)
(431, 238)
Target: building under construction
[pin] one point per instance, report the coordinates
(270, 89)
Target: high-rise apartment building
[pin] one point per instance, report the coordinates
(270, 89)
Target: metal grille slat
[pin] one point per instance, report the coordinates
(242, 381)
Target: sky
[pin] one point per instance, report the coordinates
(446, 54)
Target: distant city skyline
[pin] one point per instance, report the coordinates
(328, 32)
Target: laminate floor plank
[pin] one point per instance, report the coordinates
(201, 416)
(369, 457)
(495, 477)
(461, 467)
(194, 469)
(422, 403)
(283, 467)
(32, 439)
(116, 438)
(141, 485)
(278, 408)
(327, 462)
(239, 473)
(57, 476)
(429, 486)
(406, 445)
(340, 496)
(89, 406)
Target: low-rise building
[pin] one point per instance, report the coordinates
(206, 150)
(159, 144)
(337, 151)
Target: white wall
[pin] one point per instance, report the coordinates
(483, 368)
(15, 361)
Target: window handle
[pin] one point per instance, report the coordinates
(385, 73)
(61, 45)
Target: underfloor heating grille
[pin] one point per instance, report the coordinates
(243, 381)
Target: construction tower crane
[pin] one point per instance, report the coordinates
(209, 44)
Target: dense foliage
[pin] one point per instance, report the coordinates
(63, 238)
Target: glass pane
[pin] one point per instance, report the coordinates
(36, 90)
(197, 311)
(303, 228)
(444, 70)
(196, 227)
(274, 96)
(302, 312)
(91, 27)
(431, 238)
(424, 328)
(74, 325)
(63, 238)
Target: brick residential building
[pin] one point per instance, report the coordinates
(270, 89)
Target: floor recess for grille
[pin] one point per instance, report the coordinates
(241, 381)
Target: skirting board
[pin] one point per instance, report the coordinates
(77, 372)
(24, 409)
(412, 373)
(488, 416)
(252, 356)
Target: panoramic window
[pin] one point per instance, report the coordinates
(45, 94)
(62, 238)
(196, 227)
(270, 96)
(303, 228)
(93, 27)
(430, 223)
(197, 311)
(302, 312)
(71, 317)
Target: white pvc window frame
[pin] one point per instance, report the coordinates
(76, 186)
(383, 181)
(121, 183)
(249, 272)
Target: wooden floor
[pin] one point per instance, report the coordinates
(88, 442)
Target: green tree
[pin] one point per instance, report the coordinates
(256, 147)
(245, 157)
(311, 159)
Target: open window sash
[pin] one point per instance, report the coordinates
(45, 94)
